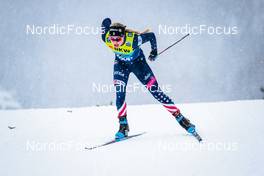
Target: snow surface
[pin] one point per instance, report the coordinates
(51, 141)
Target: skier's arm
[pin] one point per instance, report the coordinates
(105, 27)
(149, 37)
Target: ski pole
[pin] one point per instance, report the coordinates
(173, 44)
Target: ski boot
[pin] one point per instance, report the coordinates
(123, 129)
(187, 125)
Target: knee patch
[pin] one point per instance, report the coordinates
(151, 83)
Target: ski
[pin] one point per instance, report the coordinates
(197, 136)
(114, 141)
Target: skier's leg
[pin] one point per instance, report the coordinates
(121, 74)
(144, 73)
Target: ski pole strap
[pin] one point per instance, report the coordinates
(173, 44)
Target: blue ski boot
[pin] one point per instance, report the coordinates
(185, 123)
(123, 129)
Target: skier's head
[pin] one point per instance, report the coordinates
(118, 31)
(117, 34)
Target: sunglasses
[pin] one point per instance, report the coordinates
(115, 39)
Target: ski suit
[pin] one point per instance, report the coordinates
(130, 58)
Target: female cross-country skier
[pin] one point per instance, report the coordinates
(129, 57)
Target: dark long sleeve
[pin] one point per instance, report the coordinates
(148, 37)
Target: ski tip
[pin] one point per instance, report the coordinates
(11, 127)
(197, 136)
(89, 148)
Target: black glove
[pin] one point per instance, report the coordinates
(153, 55)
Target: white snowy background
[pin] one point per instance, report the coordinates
(59, 70)
(51, 141)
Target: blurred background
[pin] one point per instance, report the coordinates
(47, 71)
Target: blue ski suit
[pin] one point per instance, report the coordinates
(136, 63)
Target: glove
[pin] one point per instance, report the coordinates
(106, 22)
(153, 55)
